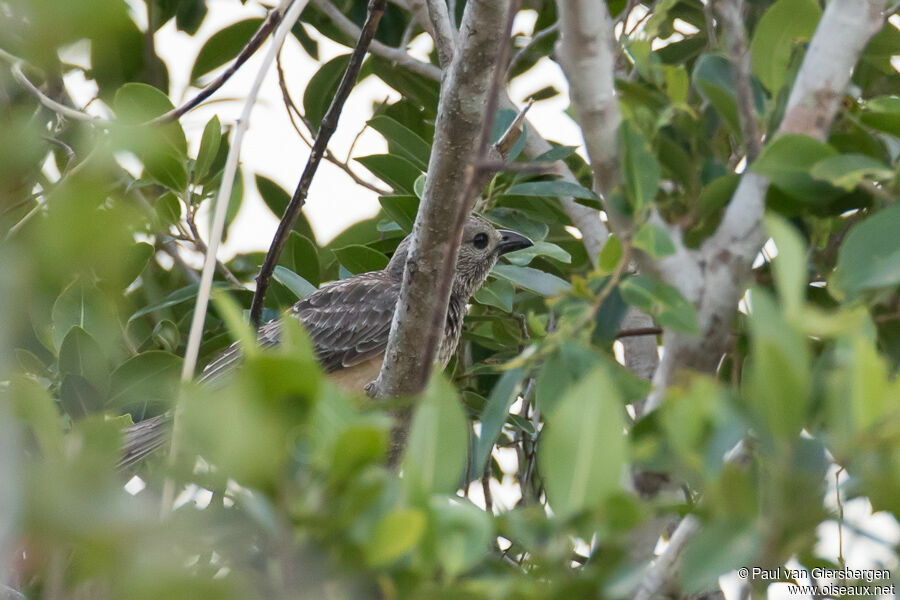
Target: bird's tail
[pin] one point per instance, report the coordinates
(144, 438)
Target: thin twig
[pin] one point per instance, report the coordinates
(292, 110)
(218, 226)
(46, 195)
(398, 56)
(265, 28)
(326, 129)
(201, 246)
(47, 101)
(537, 37)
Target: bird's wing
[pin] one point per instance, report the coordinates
(349, 321)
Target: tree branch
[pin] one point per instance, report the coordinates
(397, 55)
(326, 129)
(442, 31)
(431, 260)
(586, 51)
(732, 17)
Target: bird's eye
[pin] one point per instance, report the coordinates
(480, 241)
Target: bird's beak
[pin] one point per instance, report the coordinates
(510, 241)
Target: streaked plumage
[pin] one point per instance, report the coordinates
(349, 322)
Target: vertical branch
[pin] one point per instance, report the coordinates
(443, 31)
(586, 51)
(732, 17)
(218, 225)
(326, 129)
(459, 130)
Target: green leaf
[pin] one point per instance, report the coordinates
(847, 171)
(295, 283)
(161, 148)
(790, 264)
(78, 397)
(641, 169)
(301, 256)
(526, 255)
(787, 162)
(419, 186)
(494, 414)
(209, 148)
(357, 446)
(609, 257)
(661, 301)
(81, 355)
(777, 380)
(713, 77)
(533, 280)
(166, 336)
(272, 194)
(402, 140)
(883, 113)
(520, 221)
(438, 438)
(395, 171)
(557, 188)
(869, 257)
(718, 548)
(402, 209)
(653, 240)
(80, 305)
(395, 535)
(136, 103)
(320, 90)
(498, 293)
(786, 23)
(556, 153)
(168, 210)
(360, 259)
(223, 46)
(180, 295)
(584, 446)
(145, 385)
(277, 199)
(462, 534)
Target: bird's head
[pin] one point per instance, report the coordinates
(479, 249)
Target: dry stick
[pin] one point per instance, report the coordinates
(326, 129)
(218, 226)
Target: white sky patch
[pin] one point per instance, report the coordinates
(135, 485)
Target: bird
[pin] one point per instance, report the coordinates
(349, 322)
